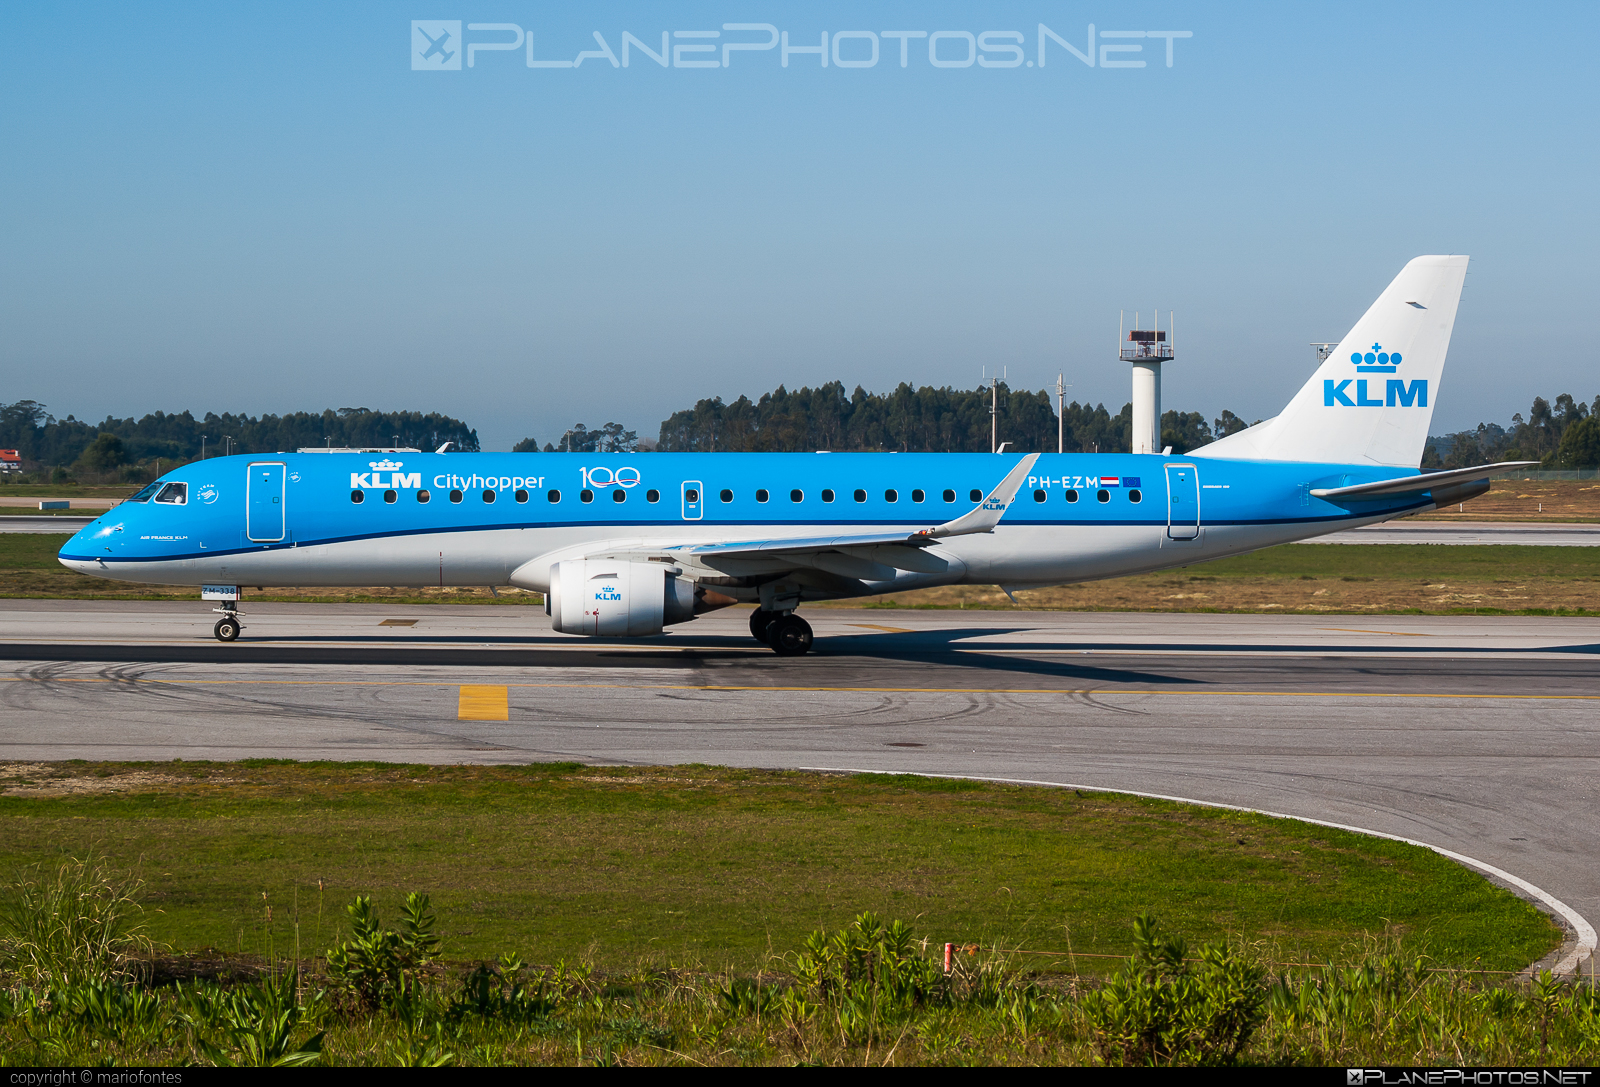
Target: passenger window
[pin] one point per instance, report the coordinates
(358, 497)
(1038, 496)
(797, 496)
(1134, 496)
(586, 495)
(175, 494)
(861, 496)
(619, 495)
(455, 496)
(975, 495)
(761, 496)
(891, 495)
(691, 495)
(1072, 496)
(949, 496)
(488, 497)
(554, 496)
(1103, 496)
(827, 496)
(918, 496)
(389, 497)
(423, 496)
(652, 496)
(522, 496)
(727, 495)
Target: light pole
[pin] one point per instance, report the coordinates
(202, 447)
(1061, 412)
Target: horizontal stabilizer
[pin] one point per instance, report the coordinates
(1387, 488)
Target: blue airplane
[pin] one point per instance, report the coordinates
(623, 545)
(436, 46)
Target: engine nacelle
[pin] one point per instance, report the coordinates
(607, 598)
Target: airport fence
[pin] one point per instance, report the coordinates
(1553, 473)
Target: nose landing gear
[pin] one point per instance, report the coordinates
(228, 627)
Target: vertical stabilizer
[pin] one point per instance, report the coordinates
(1371, 400)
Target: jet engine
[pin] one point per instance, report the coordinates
(608, 598)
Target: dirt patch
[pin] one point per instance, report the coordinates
(39, 779)
(1550, 500)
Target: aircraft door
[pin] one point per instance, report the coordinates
(264, 513)
(1183, 502)
(694, 500)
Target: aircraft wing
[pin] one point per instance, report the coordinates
(895, 550)
(1387, 488)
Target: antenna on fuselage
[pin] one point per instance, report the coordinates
(443, 447)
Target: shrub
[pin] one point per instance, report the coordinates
(378, 965)
(1163, 1009)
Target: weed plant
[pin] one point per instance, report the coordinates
(871, 992)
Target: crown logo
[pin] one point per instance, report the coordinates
(384, 465)
(1376, 361)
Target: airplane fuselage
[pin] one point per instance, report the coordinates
(483, 519)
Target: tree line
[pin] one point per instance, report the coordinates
(1565, 434)
(128, 449)
(918, 420)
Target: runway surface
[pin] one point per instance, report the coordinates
(1477, 735)
(42, 524)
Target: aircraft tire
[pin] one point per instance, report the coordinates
(226, 630)
(760, 624)
(789, 636)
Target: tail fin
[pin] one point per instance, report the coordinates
(1371, 401)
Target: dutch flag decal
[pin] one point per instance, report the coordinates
(1110, 481)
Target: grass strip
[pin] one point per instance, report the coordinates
(719, 867)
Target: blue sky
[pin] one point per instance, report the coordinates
(263, 208)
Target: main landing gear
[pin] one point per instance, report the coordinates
(787, 633)
(228, 627)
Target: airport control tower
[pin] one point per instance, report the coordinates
(1147, 349)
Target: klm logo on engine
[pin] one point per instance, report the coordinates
(395, 480)
(1396, 393)
(609, 592)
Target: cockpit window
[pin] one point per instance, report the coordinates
(175, 493)
(144, 495)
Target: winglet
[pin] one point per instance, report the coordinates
(989, 512)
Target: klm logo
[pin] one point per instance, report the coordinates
(1397, 394)
(396, 480)
(608, 592)
(1376, 361)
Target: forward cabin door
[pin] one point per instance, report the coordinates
(264, 514)
(1183, 502)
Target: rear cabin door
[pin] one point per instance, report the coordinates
(1183, 502)
(694, 500)
(264, 516)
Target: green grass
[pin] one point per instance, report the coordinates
(720, 867)
(68, 490)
